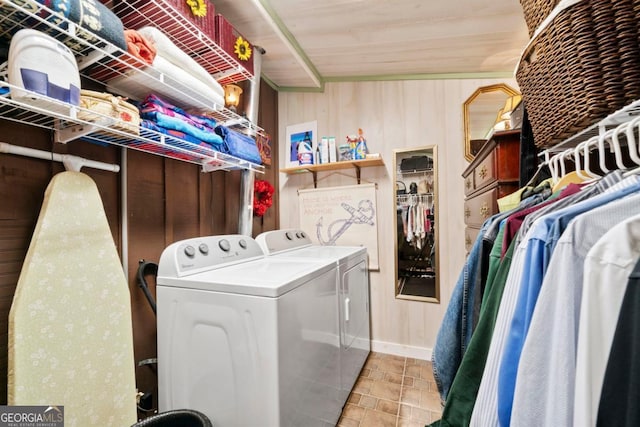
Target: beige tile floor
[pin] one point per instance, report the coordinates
(393, 391)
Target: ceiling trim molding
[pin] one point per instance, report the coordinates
(270, 15)
(396, 77)
(425, 76)
(270, 82)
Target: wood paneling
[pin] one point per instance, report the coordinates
(23, 182)
(393, 114)
(167, 200)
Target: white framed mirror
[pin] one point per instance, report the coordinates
(416, 224)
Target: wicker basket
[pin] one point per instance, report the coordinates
(106, 104)
(582, 66)
(536, 11)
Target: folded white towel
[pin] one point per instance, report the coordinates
(183, 89)
(172, 53)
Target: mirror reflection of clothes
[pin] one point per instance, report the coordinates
(416, 222)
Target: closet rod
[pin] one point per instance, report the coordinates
(71, 163)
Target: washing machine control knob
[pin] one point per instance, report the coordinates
(288, 235)
(298, 235)
(204, 249)
(224, 245)
(302, 235)
(242, 243)
(190, 251)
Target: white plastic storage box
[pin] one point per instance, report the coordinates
(43, 72)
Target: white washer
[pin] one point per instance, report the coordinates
(248, 340)
(352, 285)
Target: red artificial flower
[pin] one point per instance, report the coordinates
(262, 196)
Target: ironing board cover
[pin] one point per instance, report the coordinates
(70, 333)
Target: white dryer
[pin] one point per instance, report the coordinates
(248, 340)
(352, 285)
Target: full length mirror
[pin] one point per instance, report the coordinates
(482, 111)
(416, 244)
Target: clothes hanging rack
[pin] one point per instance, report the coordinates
(71, 162)
(415, 198)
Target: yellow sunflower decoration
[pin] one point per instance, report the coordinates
(198, 7)
(242, 49)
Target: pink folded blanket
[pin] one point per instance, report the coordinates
(139, 46)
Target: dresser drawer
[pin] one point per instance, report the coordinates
(479, 208)
(485, 173)
(470, 236)
(469, 185)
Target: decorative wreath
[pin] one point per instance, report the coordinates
(198, 7)
(242, 49)
(262, 196)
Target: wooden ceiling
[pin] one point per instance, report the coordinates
(310, 42)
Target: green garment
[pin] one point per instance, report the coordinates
(464, 389)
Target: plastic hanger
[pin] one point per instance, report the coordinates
(553, 167)
(590, 175)
(576, 159)
(612, 136)
(631, 140)
(602, 154)
(573, 176)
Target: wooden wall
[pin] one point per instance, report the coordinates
(168, 200)
(393, 114)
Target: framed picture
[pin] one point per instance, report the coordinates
(303, 133)
(345, 215)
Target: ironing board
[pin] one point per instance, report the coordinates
(70, 333)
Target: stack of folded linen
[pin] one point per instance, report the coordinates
(172, 74)
(163, 117)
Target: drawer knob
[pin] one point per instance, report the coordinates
(468, 183)
(467, 241)
(467, 213)
(484, 210)
(483, 171)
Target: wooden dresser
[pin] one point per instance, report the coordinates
(493, 173)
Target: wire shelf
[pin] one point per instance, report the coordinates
(596, 130)
(98, 59)
(186, 35)
(64, 119)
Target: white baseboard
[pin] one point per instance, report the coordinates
(423, 353)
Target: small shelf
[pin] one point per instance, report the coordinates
(415, 171)
(345, 164)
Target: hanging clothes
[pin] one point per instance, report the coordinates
(415, 212)
(534, 280)
(459, 404)
(607, 268)
(556, 318)
(621, 386)
(485, 411)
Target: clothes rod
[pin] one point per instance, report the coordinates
(71, 163)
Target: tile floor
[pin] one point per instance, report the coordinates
(393, 391)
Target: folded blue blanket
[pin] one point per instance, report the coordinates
(168, 122)
(148, 124)
(240, 145)
(154, 103)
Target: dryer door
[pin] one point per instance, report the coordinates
(354, 319)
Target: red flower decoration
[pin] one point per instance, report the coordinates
(262, 196)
